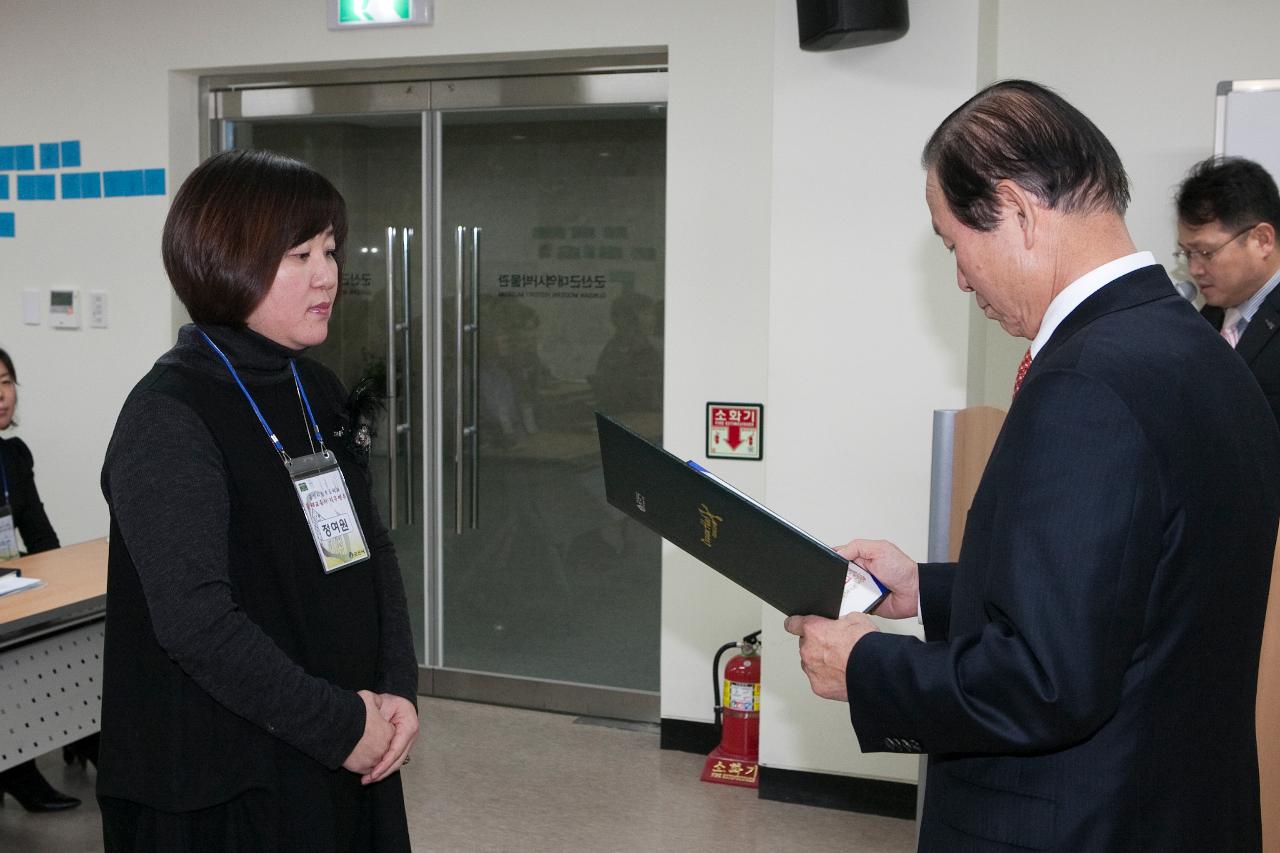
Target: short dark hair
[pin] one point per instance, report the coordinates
(13, 375)
(1231, 190)
(232, 221)
(1023, 132)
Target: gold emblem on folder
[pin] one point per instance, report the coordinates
(710, 524)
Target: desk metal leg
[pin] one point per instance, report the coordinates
(50, 692)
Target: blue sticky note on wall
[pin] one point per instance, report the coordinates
(4, 186)
(6, 225)
(122, 183)
(24, 157)
(36, 188)
(71, 154)
(153, 182)
(7, 159)
(70, 185)
(50, 155)
(90, 185)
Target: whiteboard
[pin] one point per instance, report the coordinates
(1247, 122)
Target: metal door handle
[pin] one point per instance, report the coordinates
(393, 440)
(458, 428)
(406, 328)
(466, 421)
(474, 330)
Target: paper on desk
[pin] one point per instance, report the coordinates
(17, 583)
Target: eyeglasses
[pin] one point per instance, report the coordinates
(1186, 256)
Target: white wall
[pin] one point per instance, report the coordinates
(718, 170)
(867, 327)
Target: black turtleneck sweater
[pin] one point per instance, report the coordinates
(223, 633)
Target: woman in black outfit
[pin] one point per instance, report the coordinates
(259, 673)
(24, 781)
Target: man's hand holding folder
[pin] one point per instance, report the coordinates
(826, 644)
(896, 570)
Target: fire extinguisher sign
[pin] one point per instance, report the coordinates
(735, 431)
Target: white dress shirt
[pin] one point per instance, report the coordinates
(1070, 297)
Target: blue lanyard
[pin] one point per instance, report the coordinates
(284, 457)
(4, 480)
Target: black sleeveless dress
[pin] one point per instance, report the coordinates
(231, 660)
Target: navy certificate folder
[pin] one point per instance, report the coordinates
(727, 530)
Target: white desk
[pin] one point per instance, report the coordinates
(51, 652)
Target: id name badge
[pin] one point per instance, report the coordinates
(326, 505)
(8, 534)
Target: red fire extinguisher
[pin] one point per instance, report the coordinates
(737, 707)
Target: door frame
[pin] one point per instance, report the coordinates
(637, 77)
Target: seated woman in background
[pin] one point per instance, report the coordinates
(259, 674)
(22, 512)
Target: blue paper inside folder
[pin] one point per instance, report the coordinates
(727, 529)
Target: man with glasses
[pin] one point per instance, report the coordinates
(1228, 215)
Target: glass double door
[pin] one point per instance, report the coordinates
(503, 280)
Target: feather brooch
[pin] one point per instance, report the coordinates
(358, 421)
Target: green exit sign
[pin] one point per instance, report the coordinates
(359, 14)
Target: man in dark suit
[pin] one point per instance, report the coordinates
(1228, 215)
(1088, 677)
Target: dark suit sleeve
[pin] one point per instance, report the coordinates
(1260, 348)
(935, 599)
(28, 510)
(1069, 526)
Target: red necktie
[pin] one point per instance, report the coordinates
(1022, 371)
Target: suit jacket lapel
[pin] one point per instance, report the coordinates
(1261, 328)
(1214, 315)
(1136, 288)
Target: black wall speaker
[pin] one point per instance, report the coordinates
(835, 24)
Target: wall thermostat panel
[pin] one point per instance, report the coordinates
(64, 308)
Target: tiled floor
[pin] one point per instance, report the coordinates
(485, 778)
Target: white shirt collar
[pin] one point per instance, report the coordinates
(1070, 297)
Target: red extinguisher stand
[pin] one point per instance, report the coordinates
(736, 761)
